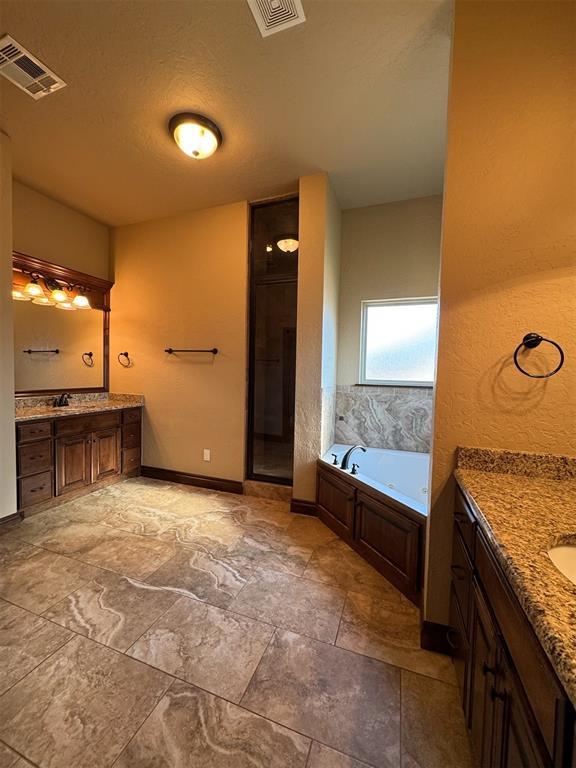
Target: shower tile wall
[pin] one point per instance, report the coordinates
(398, 418)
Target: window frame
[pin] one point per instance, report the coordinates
(363, 331)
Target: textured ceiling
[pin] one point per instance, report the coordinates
(358, 90)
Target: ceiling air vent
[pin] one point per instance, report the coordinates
(26, 71)
(275, 15)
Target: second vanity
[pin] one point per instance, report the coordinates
(68, 451)
(513, 614)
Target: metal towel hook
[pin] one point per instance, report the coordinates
(531, 341)
(127, 362)
(88, 359)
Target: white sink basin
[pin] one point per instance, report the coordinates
(564, 558)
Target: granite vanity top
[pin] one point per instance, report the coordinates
(526, 504)
(34, 409)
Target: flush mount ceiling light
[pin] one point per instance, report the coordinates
(288, 243)
(196, 135)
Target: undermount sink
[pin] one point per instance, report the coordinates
(564, 558)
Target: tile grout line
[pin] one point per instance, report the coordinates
(20, 755)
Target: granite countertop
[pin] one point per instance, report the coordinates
(42, 408)
(526, 504)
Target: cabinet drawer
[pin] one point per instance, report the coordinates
(132, 435)
(35, 489)
(131, 459)
(132, 415)
(34, 457)
(461, 570)
(78, 424)
(35, 430)
(540, 683)
(465, 523)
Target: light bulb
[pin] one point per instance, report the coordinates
(81, 302)
(33, 288)
(196, 136)
(59, 296)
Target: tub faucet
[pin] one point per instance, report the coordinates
(346, 457)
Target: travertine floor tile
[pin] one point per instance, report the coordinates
(272, 552)
(202, 575)
(349, 702)
(79, 707)
(433, 730)
(390, 631)
(324, 757)
(190, 727)
(112, 609)
(305, 531)
(335, 563)
(287, 601)
(10, 759)
(130, 555)
(214, 649)
(36, 579)
(25, 641)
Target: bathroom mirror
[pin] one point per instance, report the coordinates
(61, 326)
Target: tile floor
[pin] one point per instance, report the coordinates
(152, 625)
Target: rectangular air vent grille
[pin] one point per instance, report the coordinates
(26, 71)
(276, 15)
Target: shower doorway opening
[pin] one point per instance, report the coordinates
(272, 350)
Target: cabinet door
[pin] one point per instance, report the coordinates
(483, 671)
(390, 542)
(335, 501)
(105, 453)
(517, 739)
(73, 465)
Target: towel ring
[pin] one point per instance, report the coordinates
(126, 357)
(90, 361)
(531, 341)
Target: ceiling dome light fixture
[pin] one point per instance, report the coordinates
(288, 243)
(196, 135)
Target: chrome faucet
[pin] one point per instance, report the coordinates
(346, 457)
(62, 401)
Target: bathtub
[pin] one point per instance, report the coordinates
(399, 475)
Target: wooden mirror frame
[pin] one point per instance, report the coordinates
(98, 287)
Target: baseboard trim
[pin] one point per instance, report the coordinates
(201, 481)
(434, 637)
(10, 518)
(301, 507)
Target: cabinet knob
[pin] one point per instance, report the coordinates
(494, 694)
(487, 670)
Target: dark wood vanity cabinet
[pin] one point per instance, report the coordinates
(76, 453)
(516, 710)
(390, 539)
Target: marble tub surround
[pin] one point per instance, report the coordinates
(523, 515)
(172, 669)
(32, 408)
(398, 418)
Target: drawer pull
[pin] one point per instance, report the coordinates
(487, 670)
(494, 694)
(459, 572)
(40, 488)
(452, 632)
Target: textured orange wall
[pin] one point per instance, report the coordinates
(509, 245)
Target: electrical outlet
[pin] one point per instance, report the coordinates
(206, 454)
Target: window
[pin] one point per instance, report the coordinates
(398, 344)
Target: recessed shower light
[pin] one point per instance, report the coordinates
(196, 135)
